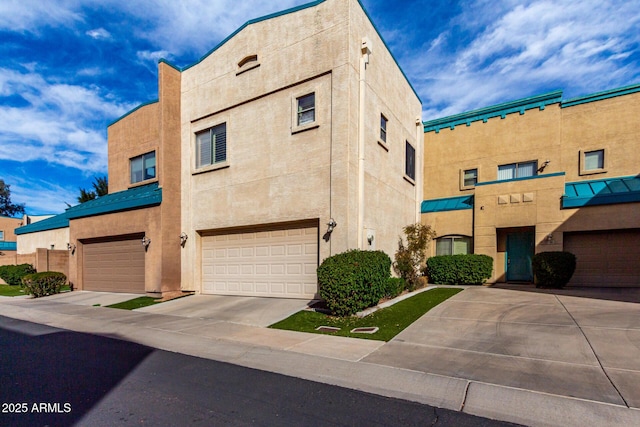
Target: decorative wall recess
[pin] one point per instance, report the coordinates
(514, 198)
(503, 200)
(527, 197)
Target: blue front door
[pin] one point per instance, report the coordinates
(520, 248)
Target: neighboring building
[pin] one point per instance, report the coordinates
(297, 120)
(8, 245)
(540, 174)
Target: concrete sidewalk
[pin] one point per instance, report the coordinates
(481, 366)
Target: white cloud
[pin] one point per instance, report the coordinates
(99, 33)
(30, 15)
(40, 197)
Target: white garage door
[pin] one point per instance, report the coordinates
(274, 263)
(114, 266)
(610, 258)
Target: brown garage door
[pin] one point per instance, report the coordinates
(610, 258)
(114, 266)
(268, 263)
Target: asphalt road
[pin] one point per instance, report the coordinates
(54, 377)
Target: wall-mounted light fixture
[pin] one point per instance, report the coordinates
(146, 242)
(183, 238)
(544, 165)
(550, 239)
(330, 226)
(71, 248)
(370, 239)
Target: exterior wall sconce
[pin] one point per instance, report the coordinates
(146, 242)
(544, 165)
(370, 238)
(183, 239)
(330, 226)
(71, 248)
(549, 239)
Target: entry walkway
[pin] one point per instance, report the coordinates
(534, 359)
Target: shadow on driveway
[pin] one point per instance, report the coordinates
(610, 294)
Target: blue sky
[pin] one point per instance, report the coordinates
(71, 67)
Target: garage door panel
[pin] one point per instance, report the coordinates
(610, 258)
(279, 263)
(117, 266)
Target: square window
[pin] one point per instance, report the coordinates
(594, 160)
(143, 167)
(410, 161)
(470, 178)
(383, 128)
(211, 146)
(306, 109)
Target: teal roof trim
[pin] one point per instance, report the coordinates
(133, 111)
(499, 110)
(526, 178)
(8, 246)
(447, 204)
(599, 96)
(601, 192)
(133, 198)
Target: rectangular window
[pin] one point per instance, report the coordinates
(470, 178)
(1, 235)
(517, 170)
(453, 245)
(594, 160)
(383, 128)
(306, 109)
(143, 167)
(211, 146)
(410, 161)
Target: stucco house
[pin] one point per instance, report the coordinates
(8, 241)
(540, 174)
(296, 138)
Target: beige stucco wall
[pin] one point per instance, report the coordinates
(8, 225)
(49, 239)
(555, 134)
(275, 174)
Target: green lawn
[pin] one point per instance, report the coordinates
(132, 304)
(11, 291)
(390, 321)
(14, 291)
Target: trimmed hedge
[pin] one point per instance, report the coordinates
(13, 274)
(45, 283)
(354, 280)
(395, 286)
(553, 269)
(468, 269)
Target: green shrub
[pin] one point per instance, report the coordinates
(354, 280)
(468, 269)
(394, 287)
(13, 274)
(409, 258)
(553, 269)
(45, 283)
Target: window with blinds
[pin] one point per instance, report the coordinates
(143, 167)
(211, 146)
(517, 170)
(594, 160)
(410, 161)
(453, 245)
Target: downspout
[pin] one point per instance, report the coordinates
(365, 49)
(419, 167)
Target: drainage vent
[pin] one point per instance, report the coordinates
(367, 330)
(327, 329)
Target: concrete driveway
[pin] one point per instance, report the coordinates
(586, 348)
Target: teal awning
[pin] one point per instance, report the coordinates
(134, 198)
(8, 246)
(601, 192)
(447, 204)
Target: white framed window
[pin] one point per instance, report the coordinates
(453, 245)
(593, 161)
(143, 167)
(410, 161)
(517, 170)
(306, 109)
(383, 128)
(211, 146)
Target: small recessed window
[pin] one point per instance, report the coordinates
(410, 161)
(211, 146)
(306, 109)
(594, 160)
(383, 128)
(470, 178)
(1, 234)
(453, 245)
(517, 170)
(143, 167)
